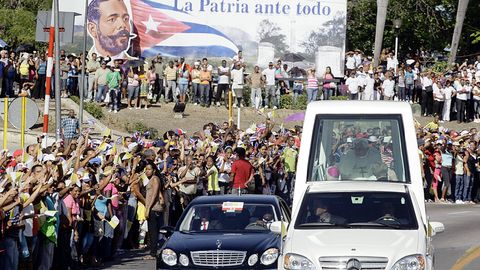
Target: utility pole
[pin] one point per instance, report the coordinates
(84, 65)
(58, 100)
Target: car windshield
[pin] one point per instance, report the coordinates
(228, 217)
(357, 210)
(350, 147)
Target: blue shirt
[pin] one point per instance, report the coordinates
(409, 77)
(42, 68)
(447, 159)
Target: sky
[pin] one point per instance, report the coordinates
(75, 6)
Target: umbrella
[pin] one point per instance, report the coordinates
(297, 72)
(292, 57)
(135, 63)
(296, 117)
(25, 48)
(3, 44)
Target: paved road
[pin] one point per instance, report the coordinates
(462, 232)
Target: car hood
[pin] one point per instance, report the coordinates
(354, 242)
(252, 242)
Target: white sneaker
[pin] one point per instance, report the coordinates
(130, 108)
(459, 202)
(110, 110)
(241, 105)
(115, 111)
(234, 105)
(274, 107)
(218, 104)
(146, 108)
(266, 107)
(195, 104)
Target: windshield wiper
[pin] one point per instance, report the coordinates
(375, 224)
(323, 224)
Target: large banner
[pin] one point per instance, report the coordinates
(264, 30)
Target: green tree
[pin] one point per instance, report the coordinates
(427, 24)
(17, 26)
(331, 33)
(272, 33)
(18, 20)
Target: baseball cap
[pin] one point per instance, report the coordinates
(17, 153)
(372, 138)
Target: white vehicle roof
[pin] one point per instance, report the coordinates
(352, 186)
(356, 107)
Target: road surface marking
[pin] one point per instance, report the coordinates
(459, 213)
(469, 256)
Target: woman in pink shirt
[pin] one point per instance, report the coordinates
(328, 87)
(312, 86)
(69, 215)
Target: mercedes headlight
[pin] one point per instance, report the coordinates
(269, 256)
(183, 259)
(252, 260)
(412, 262)
(293, 261)
(169, 257)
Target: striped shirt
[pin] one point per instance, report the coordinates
(312, 82)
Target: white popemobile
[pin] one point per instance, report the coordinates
(358, 200)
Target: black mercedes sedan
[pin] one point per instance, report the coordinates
(225, 232)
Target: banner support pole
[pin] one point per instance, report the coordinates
(230, 108)
(5, 122)
(24, 120)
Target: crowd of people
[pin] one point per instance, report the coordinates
(453, 94)
(83, 201)
(451, 163)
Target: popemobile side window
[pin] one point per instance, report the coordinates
(349, 147)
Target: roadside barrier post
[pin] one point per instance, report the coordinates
(230, 108)
(5, 122)
(24, 120)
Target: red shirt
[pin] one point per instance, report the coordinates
(242, 170)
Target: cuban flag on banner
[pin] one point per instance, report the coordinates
(171, 32)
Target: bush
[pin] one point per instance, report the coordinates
(440, 67)
(286, 102)
(75, 99)
(142, 128)
(246, 96)
(92, 108)
(339, 98)
(301, 103)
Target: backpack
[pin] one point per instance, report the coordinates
(24, 69)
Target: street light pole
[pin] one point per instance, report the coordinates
(397, 23)
(84, 66)
(396, 52)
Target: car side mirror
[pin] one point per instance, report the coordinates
(436, 228)
(167, 231)
(276, 227)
